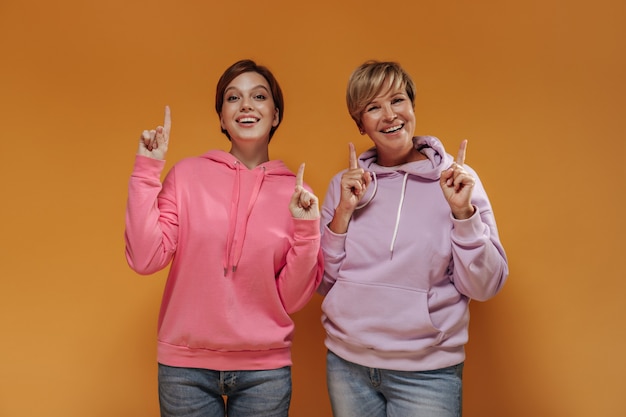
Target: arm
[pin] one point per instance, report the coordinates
(333, 244)
(151, 220)
(480, 262)
(304, 266)
(303, 270)
(341, 200)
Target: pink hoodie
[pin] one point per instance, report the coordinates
(240, 263)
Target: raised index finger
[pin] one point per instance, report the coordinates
(167, 123)
(300, 176)
(353, 162)
(460, 158)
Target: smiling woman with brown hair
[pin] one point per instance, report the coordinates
(241, 233)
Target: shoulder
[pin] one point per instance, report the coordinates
(194, 162)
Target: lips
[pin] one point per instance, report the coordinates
(247, 119)
(393, 129)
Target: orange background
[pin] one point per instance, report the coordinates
(537, 87)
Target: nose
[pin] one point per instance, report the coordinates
(246, 104)
(389, 113)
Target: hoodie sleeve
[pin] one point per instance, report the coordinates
(304, 267)
(151, 217)
(480, 265)
(333, 244)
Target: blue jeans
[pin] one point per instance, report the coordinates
(359, 391)
(191, 392)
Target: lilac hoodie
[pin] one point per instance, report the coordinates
(240, 263)
(399, 282)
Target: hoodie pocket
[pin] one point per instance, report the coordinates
(385, 318)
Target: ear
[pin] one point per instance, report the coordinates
(222, 122)
(276, 117)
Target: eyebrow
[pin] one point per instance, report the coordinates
(252, 89)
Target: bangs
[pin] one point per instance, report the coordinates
(371, 81)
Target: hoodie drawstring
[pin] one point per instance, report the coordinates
(234, 244)
(395, 229)
(238, 242)
(234, 204)
(375, 181)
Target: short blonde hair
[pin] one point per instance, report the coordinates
(370, 79)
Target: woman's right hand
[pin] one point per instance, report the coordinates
(154, 143)
(354, 183)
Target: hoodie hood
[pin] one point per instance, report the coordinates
(429, 169)
(238, 219)
(273, 167)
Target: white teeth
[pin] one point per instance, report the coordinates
(248, 120)
(393, 129)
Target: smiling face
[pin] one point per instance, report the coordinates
(380, 98)
(248, 110)
(389, 120)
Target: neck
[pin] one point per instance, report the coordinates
(392, 159)
(251, 155)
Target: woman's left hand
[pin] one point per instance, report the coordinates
(303, 204)
(457, 185)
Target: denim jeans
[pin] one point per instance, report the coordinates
(359, 391)
(191, 392)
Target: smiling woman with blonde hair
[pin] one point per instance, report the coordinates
(409, 238)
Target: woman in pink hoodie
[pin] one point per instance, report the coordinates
(241, 235)
(409, 238)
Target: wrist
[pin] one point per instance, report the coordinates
(340, 221)
(465, 213)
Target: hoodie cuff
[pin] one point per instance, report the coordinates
(306, 229)
(146, 167)
(467, 230)
(333, 243)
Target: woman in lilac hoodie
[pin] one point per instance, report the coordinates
(241, 235)
(409, 238)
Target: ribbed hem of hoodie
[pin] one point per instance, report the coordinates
(425, 360)
(148, 167)
(333, 243)
(468, 230)
(186, 357)
(308, 229)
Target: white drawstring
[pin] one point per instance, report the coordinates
(360, 206)
(395, 230)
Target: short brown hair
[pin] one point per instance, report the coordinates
(370, 79)
(243, 66)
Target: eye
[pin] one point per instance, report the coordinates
(260, 97)
(397, 100)
(371, 108)
(232, 98)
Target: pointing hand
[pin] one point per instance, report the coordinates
(154, 143)
(457, 185)
(354, 182)
(304, 204)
